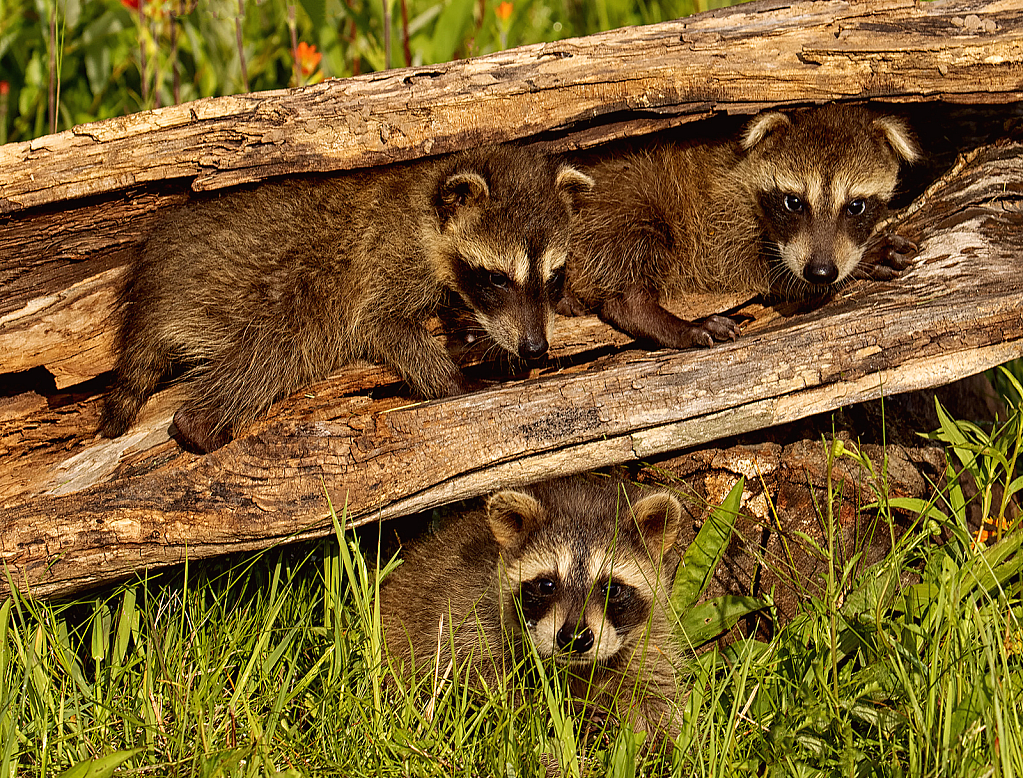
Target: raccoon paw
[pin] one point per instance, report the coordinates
(706, 331)
(195, 432)
(884, 261)
(570, 305)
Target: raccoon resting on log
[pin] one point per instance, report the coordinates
(261, 291)
(786, 210)
(581, 569)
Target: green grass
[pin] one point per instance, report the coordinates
(272, 665)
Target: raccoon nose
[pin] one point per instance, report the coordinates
(821, 271)
(533, 346)
(578, 642)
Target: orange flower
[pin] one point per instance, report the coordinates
(131, 4)
(503, 11)
(5, 89)
(308, 58)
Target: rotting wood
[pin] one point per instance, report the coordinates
(107, 508)
(577, 91)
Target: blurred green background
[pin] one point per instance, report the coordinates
(67, 62)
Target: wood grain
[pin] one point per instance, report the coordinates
(81, 510)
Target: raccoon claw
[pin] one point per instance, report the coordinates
(887, 259)
(707, 331)
(720, 328)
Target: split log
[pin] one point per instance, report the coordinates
(75, 204)
(584, 91)
(103, 508)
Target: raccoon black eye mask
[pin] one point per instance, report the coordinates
(256, 292)
(576, 571)
(785, 210)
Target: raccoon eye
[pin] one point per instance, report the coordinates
(500, 280)
(545, 587)
(557, 282)
(613, 591)
(856, 208)
(793, 204)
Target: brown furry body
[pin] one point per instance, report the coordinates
(786, 210)
(454, 605)
(260, 291)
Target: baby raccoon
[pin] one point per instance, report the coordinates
(260, 291)
(580, 569)
(788, 210)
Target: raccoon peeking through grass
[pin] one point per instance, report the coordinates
(579, 570)
(786, 210)
(260, 291)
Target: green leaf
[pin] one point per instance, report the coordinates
(876, 591)
(450, 29)
(103, 767)
(317, 12)
(712, 618)
(702, 557)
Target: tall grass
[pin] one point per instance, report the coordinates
(272, 665)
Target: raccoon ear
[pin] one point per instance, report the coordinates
(573, 186)
(898, 136)
(763, 125)
(659, 517)
(461, 190)
(510, 515)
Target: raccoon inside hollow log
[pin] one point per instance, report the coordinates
(580, 569)
(258, 292)
(787, 210)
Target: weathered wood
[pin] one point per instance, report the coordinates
(109, 507)
(737, 59)
(60, 254)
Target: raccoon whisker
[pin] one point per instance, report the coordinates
(754, 214)
(275, 286)
(520, 593)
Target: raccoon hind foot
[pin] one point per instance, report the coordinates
(197, 432)
(112, 425)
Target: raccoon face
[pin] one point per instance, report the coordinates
(584, 588)
(504, 230)
(824, 181)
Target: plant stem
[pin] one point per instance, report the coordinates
(404, 33)
(53, 69)
(175, 71)
(296, 70)
(387, 34)
(241, 46)
(142, 54)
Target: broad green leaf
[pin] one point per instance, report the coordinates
(103, 767)
(878, 587)
(703, 555)
(709, 619)
(450, 29)
(317, 11)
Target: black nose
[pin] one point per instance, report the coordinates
(533, 346)
(821, 271)
(576, 641)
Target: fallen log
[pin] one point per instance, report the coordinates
(74, 205)
(81, 510)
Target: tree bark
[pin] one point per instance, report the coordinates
(81, 510)
(73, 206)
(581, 91)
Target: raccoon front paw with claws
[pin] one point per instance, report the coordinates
(888, 257)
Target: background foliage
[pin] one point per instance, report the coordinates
(67, 62)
